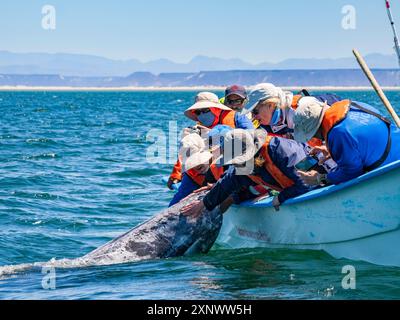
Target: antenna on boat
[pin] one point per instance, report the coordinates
(396, 40)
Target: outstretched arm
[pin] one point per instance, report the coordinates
(227, 185)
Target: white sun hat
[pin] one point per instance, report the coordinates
(308, 118)
(193, 152)
(204, 105)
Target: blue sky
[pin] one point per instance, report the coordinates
(253, 30)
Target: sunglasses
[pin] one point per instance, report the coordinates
(236, 101)
(200, 111)
(256, 110)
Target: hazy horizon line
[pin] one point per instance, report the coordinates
(191, 59)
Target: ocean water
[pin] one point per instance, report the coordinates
(73, 175)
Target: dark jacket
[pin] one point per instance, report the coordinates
(284, 153)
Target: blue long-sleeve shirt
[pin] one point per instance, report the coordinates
(242, 122)
(187, 187)
(284, 153)
(359, 141)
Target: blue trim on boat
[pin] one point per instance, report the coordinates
(327, 190)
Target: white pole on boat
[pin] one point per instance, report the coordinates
(377, 87)
(396, 40)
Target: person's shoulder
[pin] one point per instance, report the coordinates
(276, 143)
(239, 115)
(341, 128)
(341, 134)
(243, 120)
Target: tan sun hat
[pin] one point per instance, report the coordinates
(308, 118)
(193, 152)
(204, 105)
(206, 96)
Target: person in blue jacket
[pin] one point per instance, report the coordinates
(273, 159)
(357, 137)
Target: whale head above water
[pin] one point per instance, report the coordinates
(168, 234)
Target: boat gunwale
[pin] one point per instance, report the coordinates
(321, 192)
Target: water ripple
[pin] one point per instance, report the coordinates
(73, 175)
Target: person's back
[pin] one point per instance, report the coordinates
(359, 141)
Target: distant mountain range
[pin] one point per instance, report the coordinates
(287, 78)
(94, 66)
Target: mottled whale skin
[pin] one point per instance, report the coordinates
(168, 234)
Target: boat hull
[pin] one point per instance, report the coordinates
(358, 220)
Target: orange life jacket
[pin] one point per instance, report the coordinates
(217, 171)
(196, 177)
(199, 178)
(282, 180)
(334, 115)
(315, 142)
(227, 118)
(295, 101)
(177, 171)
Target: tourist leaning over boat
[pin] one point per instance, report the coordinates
(176, 174)
(196, 163)
(274, 108)
(274, 160)
(356, 136)
(198, 169)
(208, 113)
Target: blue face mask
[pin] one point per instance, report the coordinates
(276, 117)
(206, 119)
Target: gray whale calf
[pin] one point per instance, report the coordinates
(168, 234)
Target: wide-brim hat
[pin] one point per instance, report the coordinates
(196, 160)
(308, 118)
(204, 105)
(193, 151)
(206, 96)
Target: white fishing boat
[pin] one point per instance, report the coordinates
(358, 220)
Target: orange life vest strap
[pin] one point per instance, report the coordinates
(216, 171)
(275, 172)
(315, 142)
(295, 101)
(283, 181)
(333, 116)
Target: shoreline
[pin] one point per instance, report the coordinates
(161, 89)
